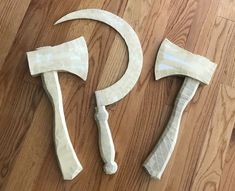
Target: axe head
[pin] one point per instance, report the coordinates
(173, 60)
(70, 56)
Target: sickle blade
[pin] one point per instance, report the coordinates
(122, 87)
(119, 89)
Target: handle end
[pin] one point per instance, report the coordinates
(110, 168)
(72, 172)
(106, 145)
(152, 171)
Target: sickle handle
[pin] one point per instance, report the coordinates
(156, 162)
(106, 145)
(69, 164)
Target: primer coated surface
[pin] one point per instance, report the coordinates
(70, 57)
(173, 60)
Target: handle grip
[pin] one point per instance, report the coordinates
(106, 145)
(68, 161)
(156, 162)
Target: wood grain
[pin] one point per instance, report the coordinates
(12, 14)
(228, 174)
(213, 152)
(27, 158)
(227, 9)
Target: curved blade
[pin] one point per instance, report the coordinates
(122, 87)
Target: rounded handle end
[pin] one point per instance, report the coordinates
(110, 168)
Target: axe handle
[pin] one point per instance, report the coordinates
(68, 161)
(156, 162)
(106, 145)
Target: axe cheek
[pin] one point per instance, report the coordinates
(174, 60)
(70, 57)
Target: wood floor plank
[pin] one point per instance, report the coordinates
(15, 119)
(12, 14)
(211, 162)
(228, 175)
(34, 149)
(227, 9)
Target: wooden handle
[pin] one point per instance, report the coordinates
(159, 157)
(68, 161)
(106, 145)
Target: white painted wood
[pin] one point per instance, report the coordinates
(72, 57)
(173, 60)
(122, 87)
(106, 145)
(68, 161)
(159, 157)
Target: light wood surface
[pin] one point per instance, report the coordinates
(204, 155)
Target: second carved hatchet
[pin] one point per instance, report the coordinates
(47, 61)
(173, 60)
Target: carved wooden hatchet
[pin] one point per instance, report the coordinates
(47, 61)
(173, 60)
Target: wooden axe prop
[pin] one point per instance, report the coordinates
(47, 61)
(173, 60)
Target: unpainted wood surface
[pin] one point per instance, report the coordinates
(204, 155)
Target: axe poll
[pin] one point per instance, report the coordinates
(47, 61)
(173, 60)
(119, 89)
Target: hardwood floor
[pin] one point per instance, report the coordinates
(204, 156)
